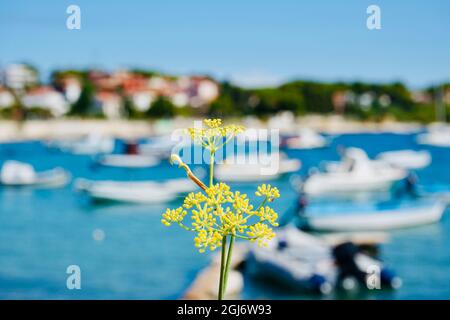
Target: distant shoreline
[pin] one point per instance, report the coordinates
(11, 131)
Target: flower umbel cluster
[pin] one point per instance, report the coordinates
(218, 212)
(214, 136)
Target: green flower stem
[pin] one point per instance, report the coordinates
(227, 266)
(211, 170)
(262, 204)
(222, 268)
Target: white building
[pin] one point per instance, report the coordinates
(194, 91)
(6, 98)
(202, 91)
(180, 99)
(207, 90)
(46, 98)
(72, 89)
(19, 76)
(159, 83)
(366, 100)
(143, 99)
(110, 104)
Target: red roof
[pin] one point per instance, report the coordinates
(40, 90)
(106, 95)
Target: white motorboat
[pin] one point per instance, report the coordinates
(128, 160)
(306, 138)
(162, 146)
(375, 219)
(406, 159)
(305, 262)
(91, 145)
(135, 191)
(251, 167)
(437, 136)
(356, 172)
(15, 173)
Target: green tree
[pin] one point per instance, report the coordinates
(161, 108)
(84, 103)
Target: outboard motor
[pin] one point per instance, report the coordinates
(345, 255)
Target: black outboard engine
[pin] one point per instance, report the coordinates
(345, 254)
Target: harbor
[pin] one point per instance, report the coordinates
(90, 220)
(225, 159)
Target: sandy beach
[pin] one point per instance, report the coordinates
(11, 131)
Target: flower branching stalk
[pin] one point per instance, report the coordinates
(217, 214)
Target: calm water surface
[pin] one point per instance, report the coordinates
(42, 231)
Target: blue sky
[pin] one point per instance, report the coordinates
(250, 42)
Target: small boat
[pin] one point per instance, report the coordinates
(437, 136)
(372, 219)
(130, 158)
(304, 262)
(128, 161)
(15, 173)
(356, 172)
(162, 146)
(90, 145)
(406, 159)
(249, 168)
(305, 139)
(135, 191)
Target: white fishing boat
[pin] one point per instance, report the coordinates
(15, 173)
(356, 172)
(306, 138)
(376, 218)
(251, 167)
(91, 145)
(135, 191)
(128, 160)
(437, 136)
(305, 262)
(406, 159)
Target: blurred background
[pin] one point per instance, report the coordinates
(90, 93)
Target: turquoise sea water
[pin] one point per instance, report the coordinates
(43, 231)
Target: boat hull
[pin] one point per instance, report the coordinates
(141, 192)
(51, 178)
(378, 220)
(128, 161)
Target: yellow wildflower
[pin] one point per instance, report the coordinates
(213, 123)
(268, 214)
(218, 212)
(217, 194)
(233, 223)
(212, 138)
(203, 218)
(271, 193)
(173, 215)
(207, 239)
(241, 203)
(260, 232)
(194, 200)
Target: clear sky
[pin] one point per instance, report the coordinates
(252, 42)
